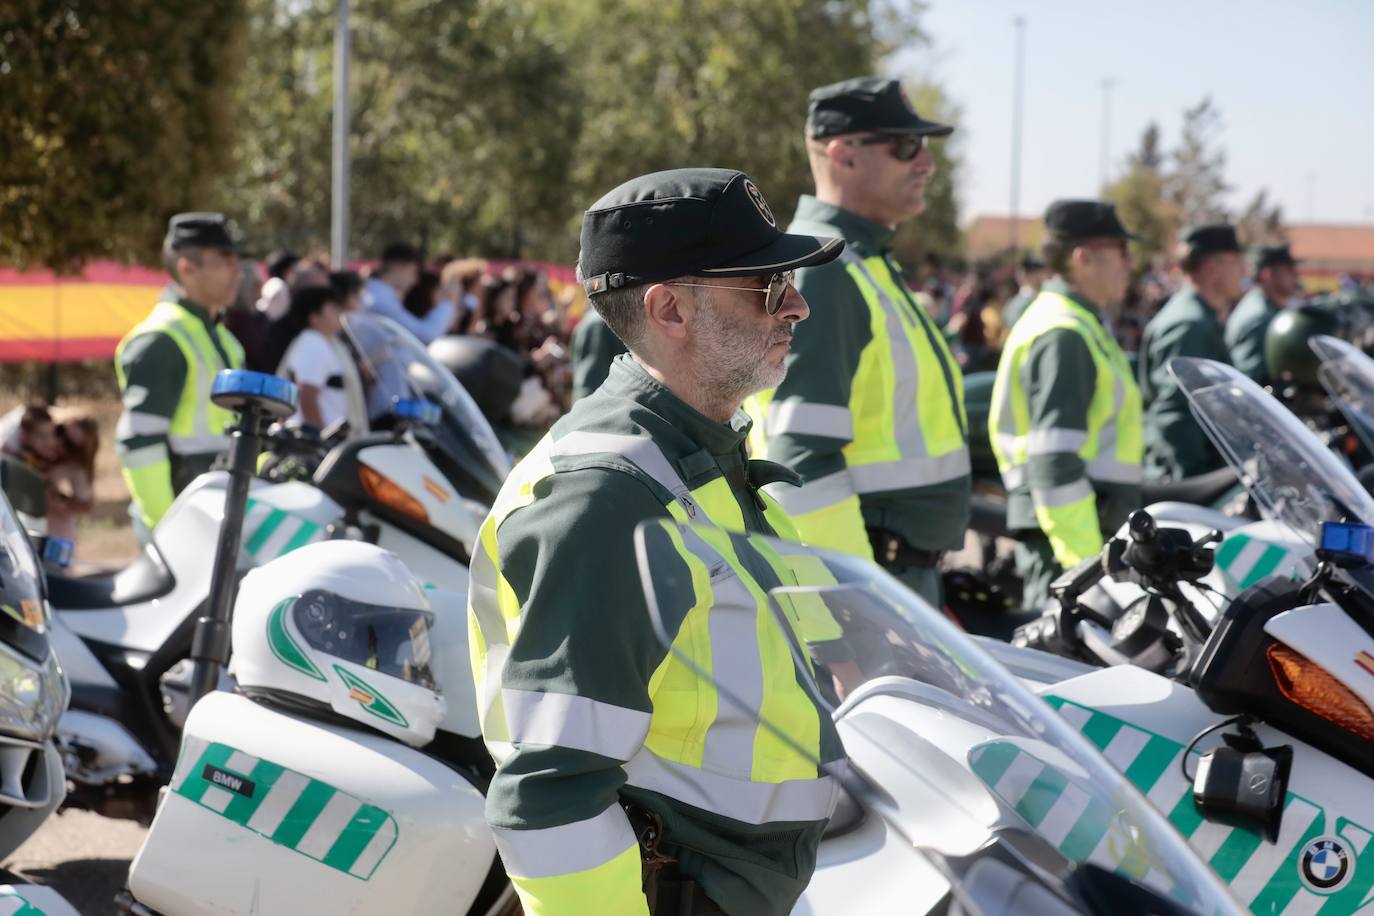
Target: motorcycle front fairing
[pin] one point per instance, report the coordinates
(959, 780)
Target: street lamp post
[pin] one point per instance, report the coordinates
(338, 217)
(1018, 100)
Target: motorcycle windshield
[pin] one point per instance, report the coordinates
(1296, 480)
(986, 766)
(401, 362)
(23, 609)
(1347, 374)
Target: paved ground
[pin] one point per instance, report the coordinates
(84, 856)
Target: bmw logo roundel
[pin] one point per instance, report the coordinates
(1326, 864)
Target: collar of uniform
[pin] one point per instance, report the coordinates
(1192, 293)
(1057, 285)
(202, 313)
(627, 378)
(858, 232)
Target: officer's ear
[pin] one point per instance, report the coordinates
(668, 310)
(841, 153)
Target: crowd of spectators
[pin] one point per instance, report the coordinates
(288, 317)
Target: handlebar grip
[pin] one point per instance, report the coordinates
(1142, 527)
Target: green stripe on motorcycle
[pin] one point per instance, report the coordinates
(13, 903)
(266, 788)
(1241, 848)
(268, 527)
(303, 536)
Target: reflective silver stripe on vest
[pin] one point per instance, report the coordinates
(197, 445)
(136, 423)
(144, 457)
(638, 450)
(566, 849)
(732, 622)
(821, 493)
(1109, 470)
(1054, 440)
(905, 473)
(800, 418)
(571, 721)
(1065, 495)
(739, 799)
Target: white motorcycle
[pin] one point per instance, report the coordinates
(420, 489)
(337, 778)
(33, 693)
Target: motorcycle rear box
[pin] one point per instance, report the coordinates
(270, 813)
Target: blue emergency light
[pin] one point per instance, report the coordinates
(233, 389)
(418, 411)
(1346, 543)
(57, 551)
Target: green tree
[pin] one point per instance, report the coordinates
(672, 83)
(461, 114)
(1141, 202)
(935, 232)
(1197, 184)
(115, 115)
(1261, 222)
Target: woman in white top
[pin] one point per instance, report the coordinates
(313, 357)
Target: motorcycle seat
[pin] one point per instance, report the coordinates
(144, 579)
(1201, 490)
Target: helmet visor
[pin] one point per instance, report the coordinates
(388, 640)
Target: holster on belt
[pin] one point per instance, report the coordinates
(891, 549)
(667, 891)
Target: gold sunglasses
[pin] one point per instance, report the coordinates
(776, 289)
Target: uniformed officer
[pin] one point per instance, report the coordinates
(1276, 282)
(594, 346)
(871, 413)
(170, 432)
(1189, 324)
(1065, 418)
(593, 727)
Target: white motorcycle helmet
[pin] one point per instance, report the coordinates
(343, 625)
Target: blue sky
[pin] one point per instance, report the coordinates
(1294, 83)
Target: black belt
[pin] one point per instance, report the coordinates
(891, 549)
(666, 889)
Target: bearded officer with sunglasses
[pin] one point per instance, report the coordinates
(625, 784)
(871, 412)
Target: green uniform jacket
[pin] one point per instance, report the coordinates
(1059, 378)
(594, 345)
(154, 380)
(1245, 333)
(1017, 307)
(569, 557)
(1174, 443)
(825, 356)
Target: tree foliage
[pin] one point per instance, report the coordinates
(478, 126)
(1261, 222)
(1141, 201)
(114, 116)
(1197, 184)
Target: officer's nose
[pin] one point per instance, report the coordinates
(925, 162)
(794, 307)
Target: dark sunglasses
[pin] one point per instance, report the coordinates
(905, 147)
(776, 289)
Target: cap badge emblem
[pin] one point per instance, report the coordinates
(762, 205)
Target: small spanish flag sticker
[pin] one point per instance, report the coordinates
(361, 696)
(1365, 661)
(436, 489)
